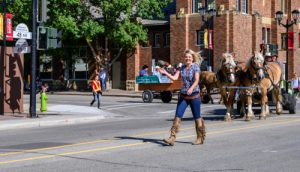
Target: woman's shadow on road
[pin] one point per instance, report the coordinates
(149, 140)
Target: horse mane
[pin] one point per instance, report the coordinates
(227, 58)
(257, 55)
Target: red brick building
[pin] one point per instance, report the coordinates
(157, 48)
(240, 26)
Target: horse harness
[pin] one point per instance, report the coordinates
(225, 79)
(265, 67)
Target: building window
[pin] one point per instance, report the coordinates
(263, 35)
(196, 4)
(283, 41)
(156, 40)
(268, 38)
(167, 39)
(210, 4)
(238, 5)
(200, 38)
(46, 67)
(244, 6)
(284, 6)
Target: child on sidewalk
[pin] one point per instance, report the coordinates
(96, 91)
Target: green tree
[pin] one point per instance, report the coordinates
(93, 20)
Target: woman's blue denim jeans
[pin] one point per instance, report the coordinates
(183, 104)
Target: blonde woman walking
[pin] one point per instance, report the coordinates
(189, 96)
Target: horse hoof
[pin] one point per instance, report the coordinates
(227, 119)
(249, 117)
(262, 117)
(278, 112)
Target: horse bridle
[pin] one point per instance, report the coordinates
(256, 69)
(228, 73)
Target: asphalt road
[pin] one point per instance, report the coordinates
(131, 141)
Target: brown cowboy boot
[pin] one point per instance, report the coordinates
(200, 130)
(174, 129)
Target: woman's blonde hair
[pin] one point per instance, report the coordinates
(196, 56)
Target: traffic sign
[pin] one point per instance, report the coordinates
(23, 35)
(22, 28)
(22, 31)
(21, 46)
(23, 50)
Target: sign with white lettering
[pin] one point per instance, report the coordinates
(21, 46)
(22, 31)
(23, 35)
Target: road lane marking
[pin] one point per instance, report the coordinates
(72, 153)
(98, 141)
(57, 147)
(103, 140)
(143, 143)
(130, 106)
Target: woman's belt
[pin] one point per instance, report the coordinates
(189, 97)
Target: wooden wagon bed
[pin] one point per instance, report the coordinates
(164, 89)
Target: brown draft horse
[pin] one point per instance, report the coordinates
(208, 81)
(263, 78)
(227, 77)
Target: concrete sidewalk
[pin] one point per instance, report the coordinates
(58, 115)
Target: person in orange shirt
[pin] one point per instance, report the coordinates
(96, 91)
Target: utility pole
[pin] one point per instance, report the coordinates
(32, 109)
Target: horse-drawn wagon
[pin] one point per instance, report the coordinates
(152, 87)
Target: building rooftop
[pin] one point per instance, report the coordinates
(147, 22)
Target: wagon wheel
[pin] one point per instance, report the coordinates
(292, 108)
(147, 96)
(166, 96)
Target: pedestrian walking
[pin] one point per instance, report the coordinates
(102, 77)
(189, 96)
(295, 84)
(96, 91)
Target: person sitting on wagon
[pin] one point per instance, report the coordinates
(268, 57)
(157, 73)
(144, 71)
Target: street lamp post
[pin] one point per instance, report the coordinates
(209, 23)
(295, 15)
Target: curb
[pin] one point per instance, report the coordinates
(43, 122)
